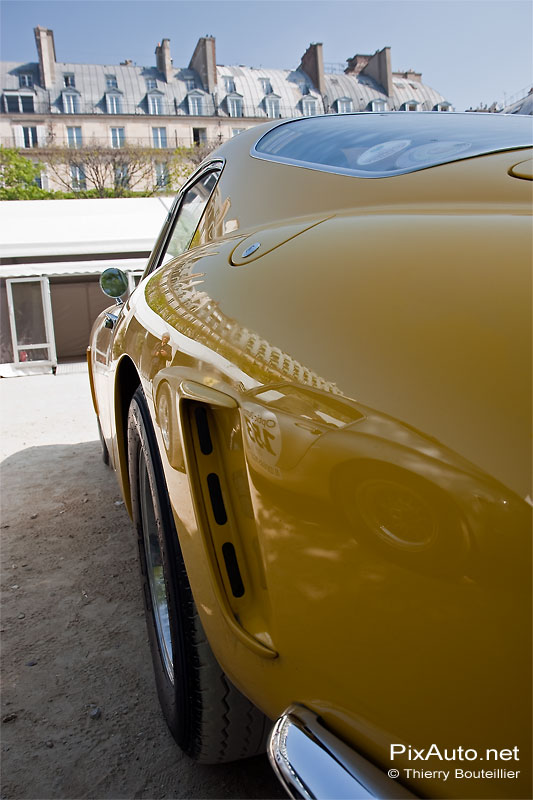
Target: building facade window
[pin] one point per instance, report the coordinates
(308, 107)
(69, 80)
(155, 104)
(78, 178)
(26, 79)
(235, 106)
(272, 107)
(159, 137)
(118, 137)
(30, 137)
(74, 136)
(122, 176)
(196, 105)
(229, 83)
(42, 181)
(71, 103)
(19, 103)
(162, 177)
(266, 85)
(378, 105)
(113, 103)
(151, 83)
(111, 82)
(199, 135)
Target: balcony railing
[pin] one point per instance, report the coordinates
(104, 143)
(250, 111)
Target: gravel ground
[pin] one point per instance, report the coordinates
(79, 712)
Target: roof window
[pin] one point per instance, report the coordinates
(111, 81)
(69, 80)
(229, 83)
(344, 105)
(371, 146)
(19, 103)
(272, 106)
(25, 79)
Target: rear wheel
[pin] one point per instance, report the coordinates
(209, 718)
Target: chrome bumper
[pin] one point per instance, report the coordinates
(313, 764)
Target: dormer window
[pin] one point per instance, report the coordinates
(266, 85)
(151, 83)
(190, 84)
(155, 103)
(229, 84)
(26, 79)
(412, 105)
(71, 103)
(444, 106)
(308, 106)
(19, 103)
(195, 102)
(111, 81)
(69, 81)
(378, 105)
(234, 105)
(344, 105)
(113, 103)
(272, 107)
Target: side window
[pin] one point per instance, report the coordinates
(189, 214)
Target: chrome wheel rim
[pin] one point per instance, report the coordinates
(154, 569)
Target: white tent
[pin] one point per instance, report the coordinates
(52, 253)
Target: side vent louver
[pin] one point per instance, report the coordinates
(216, 499)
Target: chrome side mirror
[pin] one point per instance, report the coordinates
(114, 283)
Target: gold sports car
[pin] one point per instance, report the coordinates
(318, 406)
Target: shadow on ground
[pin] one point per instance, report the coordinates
(80, 717)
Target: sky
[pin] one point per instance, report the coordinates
(471, 51)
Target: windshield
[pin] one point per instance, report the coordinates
(375, 145)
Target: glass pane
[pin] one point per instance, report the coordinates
(40, 354)
(189, 215)
(27, 103)
(29, 313)
(392, 144)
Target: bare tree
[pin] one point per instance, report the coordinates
(118, 171)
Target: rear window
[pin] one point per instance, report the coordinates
(381, 145)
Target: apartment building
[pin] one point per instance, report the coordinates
(50, 104)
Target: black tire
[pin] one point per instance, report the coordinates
(105, 451)
(209, 718)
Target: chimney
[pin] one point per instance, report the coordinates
(205, 63)
(312, 64)
(356, 64)
(410, 74)
(377, 67)
(44, 40)
(163, 59)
